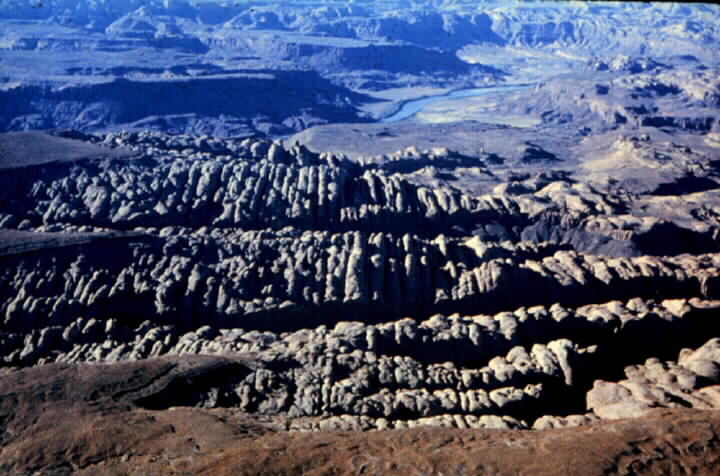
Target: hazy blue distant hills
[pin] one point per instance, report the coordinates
(101, 64)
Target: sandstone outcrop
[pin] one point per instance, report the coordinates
(365, 300)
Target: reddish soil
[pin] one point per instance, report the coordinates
(86, 420)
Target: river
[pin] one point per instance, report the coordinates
(409, 108)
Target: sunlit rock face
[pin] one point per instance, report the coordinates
(374, 216)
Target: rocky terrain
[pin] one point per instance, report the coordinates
(356, 297)
(219, 67)
(219, 256)
(118, 430)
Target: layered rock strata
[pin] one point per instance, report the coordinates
(363, 300)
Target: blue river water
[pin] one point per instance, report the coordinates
(409, 108)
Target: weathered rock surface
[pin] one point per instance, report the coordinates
(691, 382)
(112, 434)
(367, 300)
(530, 268)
